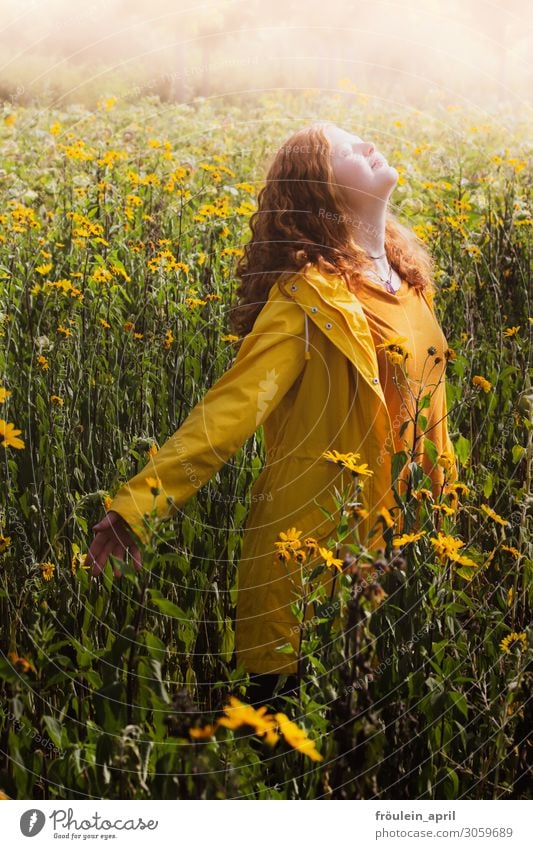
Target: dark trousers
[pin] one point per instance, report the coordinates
(261, 690)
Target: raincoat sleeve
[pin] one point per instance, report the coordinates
(267, 364)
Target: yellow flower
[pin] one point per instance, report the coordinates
(514, 639)
(511, 331)
(289, 539)
(329, 559)
(443, 508)
(513, 551)
(446, 546)
(446, 459)
(56, 399)
(311, 544)
(510, 596)
(44, 269)
(482, 382)
(78, 560)
(348, 461)
(395, 345)
(422, 494)
(5, 542)
(297, 738)
(194, 302)
(284, 553)
(359, 512)
(246, 187)
(47, 570)
(152, 451)
(9, 435)
(23, 664)
(238, 714)
(43, 362)
(451, 490)
(396, 358)
(154, 484)
(490, 512)
(405, 539)
(202, 733)
(4, 393)
(229, 337)
(463, 560)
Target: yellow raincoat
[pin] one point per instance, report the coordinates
(308, 372)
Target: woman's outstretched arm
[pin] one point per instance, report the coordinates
(268, 362)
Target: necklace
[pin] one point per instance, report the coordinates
(388, 280)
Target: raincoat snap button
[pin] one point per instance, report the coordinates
(294, 287)
(375, 380)
(328, 325)
(314, 309)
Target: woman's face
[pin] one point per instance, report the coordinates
(362, 173)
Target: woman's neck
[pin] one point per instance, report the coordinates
(368, 229)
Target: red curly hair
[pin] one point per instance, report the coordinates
(288, 233)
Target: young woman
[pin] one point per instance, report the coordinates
(331, 284)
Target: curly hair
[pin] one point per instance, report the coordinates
(291, 230)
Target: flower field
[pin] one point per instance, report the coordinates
(120, 228)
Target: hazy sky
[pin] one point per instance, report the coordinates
(473, 48)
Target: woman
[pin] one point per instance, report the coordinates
(327, 279)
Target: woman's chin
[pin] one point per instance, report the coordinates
(388, 175)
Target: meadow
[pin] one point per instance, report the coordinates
(120, 227)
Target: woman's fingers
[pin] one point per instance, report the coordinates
(106, 522)
(111, 537)
(101, 549)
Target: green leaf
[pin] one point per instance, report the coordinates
(54, 730)
(286, 648)
(462, 449)
(398, 462)
(424, 402)
(417, 473)
(488, 485)
(169, 608)
(431, 450)
(518, 452)
(459, 701)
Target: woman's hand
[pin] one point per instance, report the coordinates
(112, 536)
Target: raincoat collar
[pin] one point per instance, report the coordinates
(338, 312)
